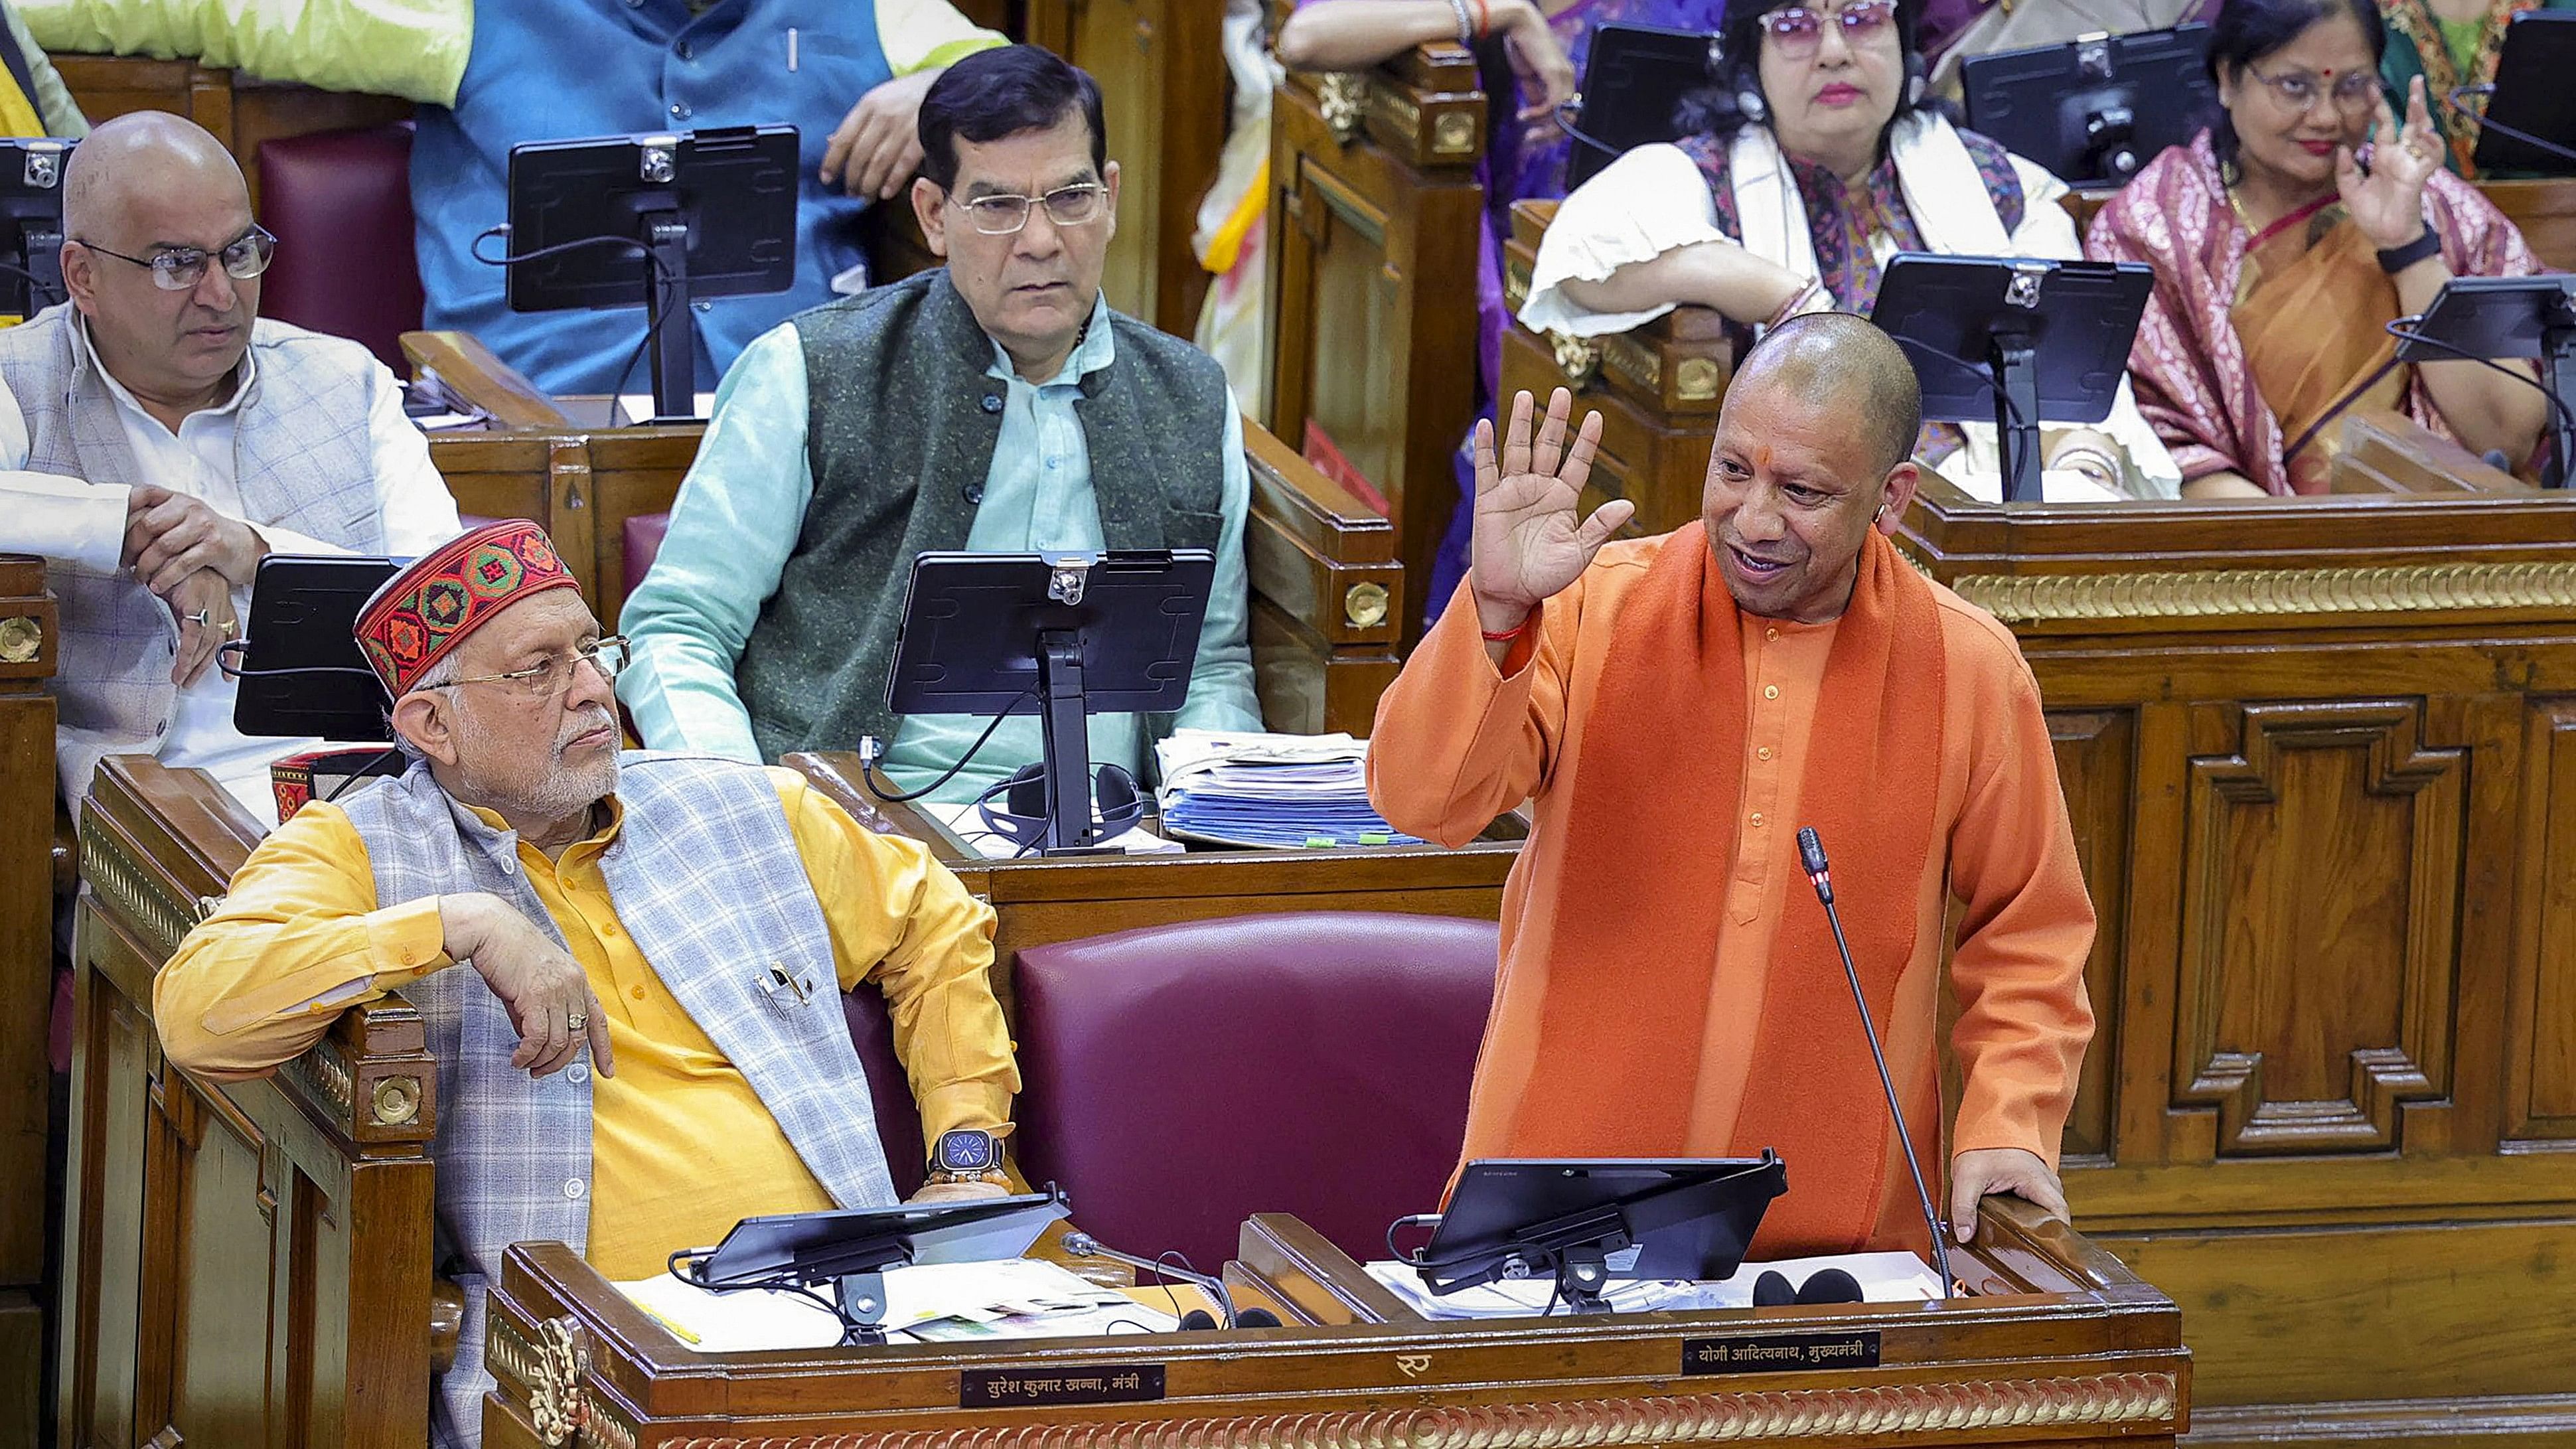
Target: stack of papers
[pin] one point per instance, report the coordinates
(925, 1303)
(1883, 1278)
(1282, 792)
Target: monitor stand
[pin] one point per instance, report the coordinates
(2014, 361)
(1064, 734)
(673, 342)
(2558, 379)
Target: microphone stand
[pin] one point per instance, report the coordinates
(1811, 853)
(1084, 1245)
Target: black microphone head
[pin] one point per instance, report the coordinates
(1811, 850)
(1772, 1290)
(1833, 1285)
(1197, 1320)
(1256, 1318)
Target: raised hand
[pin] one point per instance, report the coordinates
(202, 605)
(2388, 203)
(1528, 543)
(169, 536)
(544, 989)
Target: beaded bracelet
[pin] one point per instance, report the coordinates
(1466, 23)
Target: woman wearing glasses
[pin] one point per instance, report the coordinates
(1821, 157)
(2285, 239)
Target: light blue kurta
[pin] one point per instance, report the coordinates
(743, 504)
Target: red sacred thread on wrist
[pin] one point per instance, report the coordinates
(1514, 632)
(1484, 19)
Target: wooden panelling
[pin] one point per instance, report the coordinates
(29, 637)
(2310, 1013)
(2306, 1315)
(2540, 1093)
(2095, 765)
(251, 1261)
(1374, 215)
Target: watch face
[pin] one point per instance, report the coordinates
(966, 1151)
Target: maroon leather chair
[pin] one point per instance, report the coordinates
(340, 204)
(898, 1119)
(1178, 1079)
(642, 540)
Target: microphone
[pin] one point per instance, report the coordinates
(1811, 855)
(1084, 1245)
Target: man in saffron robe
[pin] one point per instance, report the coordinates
(1677, 707)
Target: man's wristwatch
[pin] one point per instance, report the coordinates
(969, 1154)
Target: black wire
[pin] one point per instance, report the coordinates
(364, 772)
(2403, 333)
(2537, 143)
(2329, 415)
(867, 776)
(653, 280)
(37, 287)
(1926, 349)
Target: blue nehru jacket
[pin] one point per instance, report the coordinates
(545, 70)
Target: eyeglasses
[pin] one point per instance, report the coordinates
(1065, 206)
(1797, 30)
(178, 269)
(2299, 90)
(553, 675)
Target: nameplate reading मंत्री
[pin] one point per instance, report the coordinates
(1003, 1388)
(1780, 1353)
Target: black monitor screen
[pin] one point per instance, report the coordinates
(2094, 111)
(2531, 95)
(1634, 80)
(734, 188)
(31, 224)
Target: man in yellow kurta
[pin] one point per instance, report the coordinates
(687, 923)
(1677, 707)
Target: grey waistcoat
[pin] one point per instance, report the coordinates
(302, 460)
(901, 424)
(707, 879)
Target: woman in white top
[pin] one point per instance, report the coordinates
(1817, 159)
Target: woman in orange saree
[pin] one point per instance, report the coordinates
(2284, 240)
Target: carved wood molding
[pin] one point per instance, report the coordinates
(2221, 962)
(2229, 593)
(1843, 1413)
(137, 898)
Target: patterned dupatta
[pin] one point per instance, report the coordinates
(2414, 20)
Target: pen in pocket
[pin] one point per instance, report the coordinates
(791, 50)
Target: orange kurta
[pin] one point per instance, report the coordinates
(1458, 742)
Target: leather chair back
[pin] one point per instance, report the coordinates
(898, 1119)
(642, 540)
(340, 205)
(1180, 1078)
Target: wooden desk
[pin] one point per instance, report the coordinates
(2068, 1348)
(2320, 756)
(1040, 901)
(29, 636)
(241, 110)
(1374, 211)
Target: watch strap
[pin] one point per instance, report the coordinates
(2393, 260)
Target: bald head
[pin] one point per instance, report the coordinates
(1854, 369)
(143, 154)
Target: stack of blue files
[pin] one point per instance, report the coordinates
(1285, 792)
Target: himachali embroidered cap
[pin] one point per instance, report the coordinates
(427, 609)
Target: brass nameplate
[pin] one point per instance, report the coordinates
(1038, 1387)
(1780, 1353)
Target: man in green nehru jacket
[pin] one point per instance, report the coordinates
(996, 404)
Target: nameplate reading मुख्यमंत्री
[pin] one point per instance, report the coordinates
(1780, 1353)
(1002, 1388)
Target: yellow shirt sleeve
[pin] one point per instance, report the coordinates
(919, 35)
(297, 939)
(900, 919)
